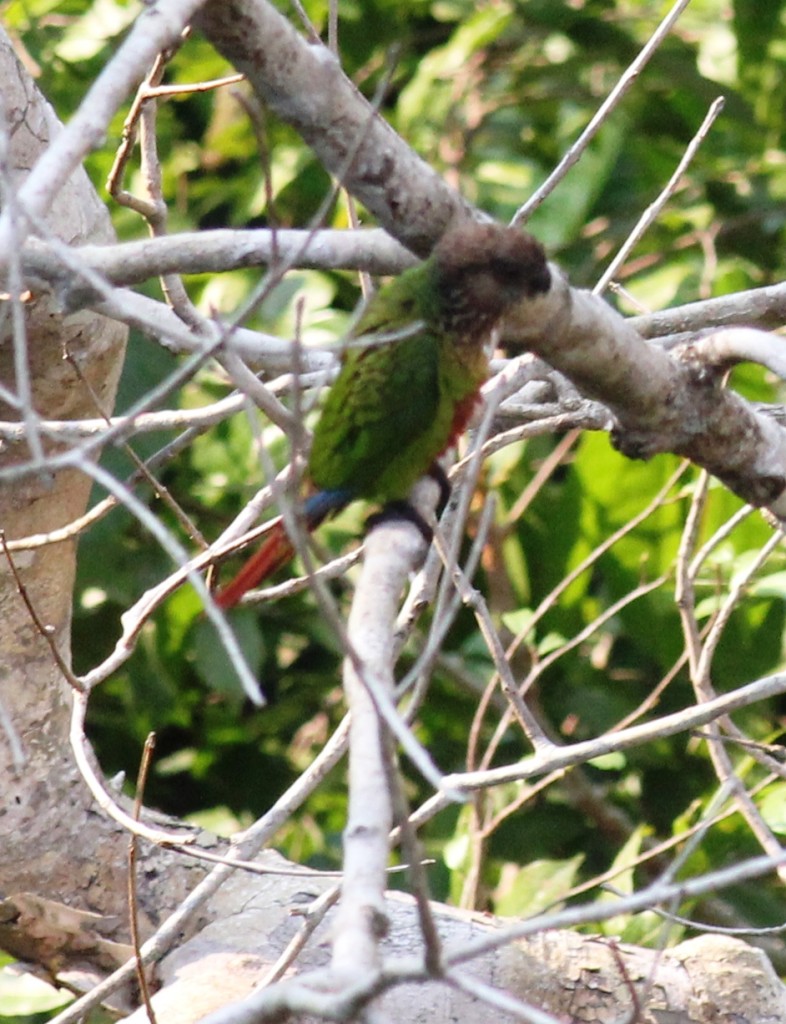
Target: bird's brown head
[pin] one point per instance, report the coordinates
(483, 269)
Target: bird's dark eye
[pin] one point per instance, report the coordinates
(507, 273)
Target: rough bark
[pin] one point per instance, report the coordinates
(575, 977)
(57, 848)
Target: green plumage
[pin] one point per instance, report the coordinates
(390, 412)
(396, 405)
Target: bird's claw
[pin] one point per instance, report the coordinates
(401, 510)
(440, 478)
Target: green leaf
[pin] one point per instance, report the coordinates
(22, 995)
(211, 661)
(614, 762)
(536, 886)
(772, 804)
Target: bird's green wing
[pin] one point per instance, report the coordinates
(376, 434)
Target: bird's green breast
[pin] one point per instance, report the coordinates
(390, 414)
(392, 409)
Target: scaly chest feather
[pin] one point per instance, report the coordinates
(466, 370)
(392, 411)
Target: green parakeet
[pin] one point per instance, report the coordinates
(398, 404)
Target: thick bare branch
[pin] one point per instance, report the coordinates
(206, 252)
(305, 86)
(659, 403)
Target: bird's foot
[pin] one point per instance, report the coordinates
(440, 478)
(398, 510)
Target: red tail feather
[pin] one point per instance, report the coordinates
(275, 552)
(278, 549)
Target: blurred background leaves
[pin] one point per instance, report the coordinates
(491, 94)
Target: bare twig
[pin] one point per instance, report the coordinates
(627, 80)
(668, 725)
(154, 30)
(133, 908)
(652, 212)
(82, 757)
(247, 843)
(45, 631)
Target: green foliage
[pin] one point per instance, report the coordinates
(538, 886)
(492, 95)
(25, 999)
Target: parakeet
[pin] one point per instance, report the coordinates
(398, 404)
